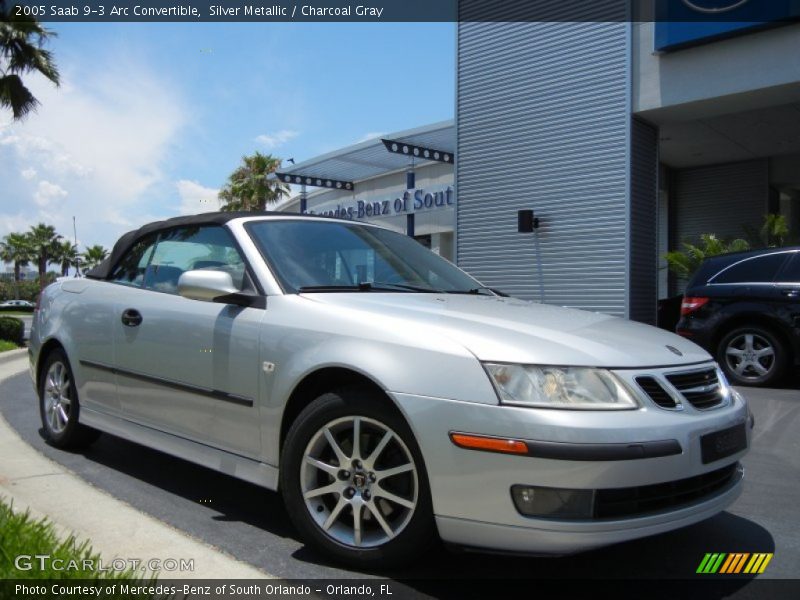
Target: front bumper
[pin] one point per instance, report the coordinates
(471, 489)
(548, 538)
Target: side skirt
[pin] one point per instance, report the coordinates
(231, 464)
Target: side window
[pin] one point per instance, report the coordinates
(761, 269)
(791, 273)
(131, 269)
(190, 248)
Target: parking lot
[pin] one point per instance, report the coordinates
(251, 524)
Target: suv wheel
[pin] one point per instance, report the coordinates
(752, 356)
(59, 407)
(354, 482)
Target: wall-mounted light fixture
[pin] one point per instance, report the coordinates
(527, 222)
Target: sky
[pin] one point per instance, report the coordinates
(150, 119)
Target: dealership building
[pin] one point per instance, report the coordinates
(625, 139)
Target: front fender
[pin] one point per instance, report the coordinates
(400, 360)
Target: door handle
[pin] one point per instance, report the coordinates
(131, 317)
(791, 293)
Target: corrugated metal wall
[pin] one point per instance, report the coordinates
(719, 199)
(644, 222)
(543, 122)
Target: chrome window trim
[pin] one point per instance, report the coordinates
(710, 280)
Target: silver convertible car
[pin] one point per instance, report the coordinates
(389, 396)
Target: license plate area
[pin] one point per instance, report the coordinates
(723, 443)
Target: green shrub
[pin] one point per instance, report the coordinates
(28, 290)
(12, 329)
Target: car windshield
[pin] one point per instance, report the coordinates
(320, 256)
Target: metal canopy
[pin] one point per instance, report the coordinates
(305, 179)
(414, 151)
(370, 159)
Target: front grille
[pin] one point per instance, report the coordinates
(701, 388)
(626, 502)
(656, 392)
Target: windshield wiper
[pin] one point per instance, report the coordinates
(367, 286)
(403, 286)
(477, 290)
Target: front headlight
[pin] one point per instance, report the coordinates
(559, 387)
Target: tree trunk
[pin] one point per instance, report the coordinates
(42, 270)
(16, 279)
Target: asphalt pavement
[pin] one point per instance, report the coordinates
(251, 523)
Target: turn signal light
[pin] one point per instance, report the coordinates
(489, 444)
(691, 304)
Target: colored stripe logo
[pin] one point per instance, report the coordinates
(734, 563)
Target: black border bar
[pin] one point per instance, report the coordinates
(366, 11)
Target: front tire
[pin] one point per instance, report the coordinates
(752, 355)
(354, 482)
(59, 407)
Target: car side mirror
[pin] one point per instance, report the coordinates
(216, 286)
(205, 285)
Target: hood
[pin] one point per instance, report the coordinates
(517, 331)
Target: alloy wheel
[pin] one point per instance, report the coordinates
(359, 481)
(57, 401)
(750, 355)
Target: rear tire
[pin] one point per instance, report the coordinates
(364, 503)
(752, 355)
(59, 407)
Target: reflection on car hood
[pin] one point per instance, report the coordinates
(512, 330)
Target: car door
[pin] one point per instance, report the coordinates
(787, 284)
(190, 367)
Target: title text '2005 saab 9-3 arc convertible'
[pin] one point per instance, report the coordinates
(388, 395)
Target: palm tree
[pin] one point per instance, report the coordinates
(45, 244)
(15, 249)
(93, 256)
(248, 187)
(67, 255)
(21, 51)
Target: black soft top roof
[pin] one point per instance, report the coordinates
(103, 270)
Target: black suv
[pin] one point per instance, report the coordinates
(744, 308)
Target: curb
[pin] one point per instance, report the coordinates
(11, 355)
(115, 529)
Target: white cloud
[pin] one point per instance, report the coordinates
(105, 138)
(196, 198)
(273, 140)
(46, 192)
(46, 152)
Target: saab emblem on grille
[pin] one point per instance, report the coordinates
(674, 350)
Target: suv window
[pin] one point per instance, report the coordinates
(791, 273)
(760, 269)
(130, 269)
(190, 248)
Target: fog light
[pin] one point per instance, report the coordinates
(553, 503)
